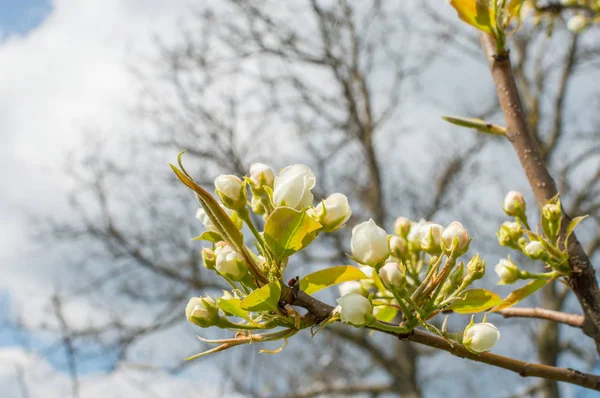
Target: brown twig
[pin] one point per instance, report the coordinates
(542, 313)
(319, 311)
(582, 280)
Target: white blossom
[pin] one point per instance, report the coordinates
(292, 187)
(355, 309)
(481, 337)
(369, 243)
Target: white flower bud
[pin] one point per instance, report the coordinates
(402, 226)
(292, 187)
(480, 337)
(205, 220)
(333, 212)
(261, 174)
(507, 271)
(393, 275)
(231, 190)
(369, 243)
(355, 309)
(455, 231)
(202, 312)
(398, 245)
(229, 262)
(534, 249)
(514, 204)
(431, 236)
(577, 23)
(350, 287)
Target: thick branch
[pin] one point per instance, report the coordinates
(319, 311)
(542, 313)
(582, 280)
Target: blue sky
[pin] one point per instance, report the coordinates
(18, 17)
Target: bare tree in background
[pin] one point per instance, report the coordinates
(328, 85)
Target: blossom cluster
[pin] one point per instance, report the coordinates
(401, 281)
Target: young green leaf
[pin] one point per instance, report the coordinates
(288, 230)
(264, 299)
(478, 124)
(475, 300)
(231, 306)
(519, 294)
(574, 222)
(316, 281)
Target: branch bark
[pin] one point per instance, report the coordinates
(582, 279)
(542, 313)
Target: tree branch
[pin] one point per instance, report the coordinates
(542, 313)
(582, 279)
(318, 311)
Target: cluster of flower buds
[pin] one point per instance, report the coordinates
(406, 277)
(545, 246)
(414, 270)
(285, 201)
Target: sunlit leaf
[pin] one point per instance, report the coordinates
(385, 313)
(477, 13)
(519, 294)
(289, 230)
(231, 306)
(264, 299)
(476, 300)
(316, 281)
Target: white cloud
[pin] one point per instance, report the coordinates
(70, 72)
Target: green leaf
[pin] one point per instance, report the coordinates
(519, 294)
(264, 299)
(475, 300)
(386, 313)
(210, 236)
(478, 124)
(289, 230)
(231, 306)
(316, 281)
(574, 222)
